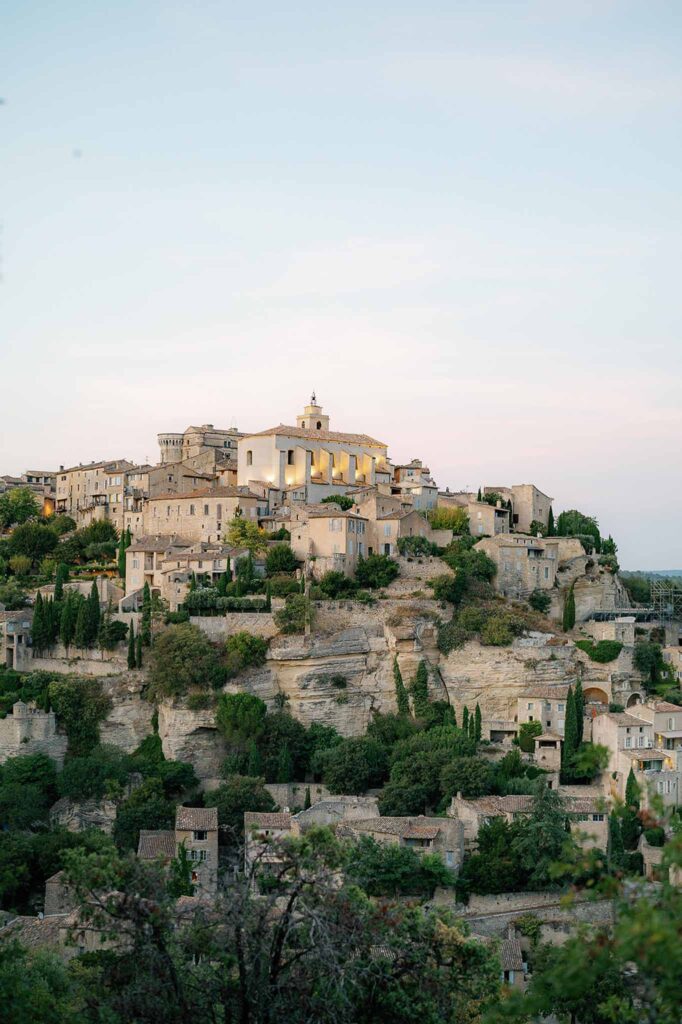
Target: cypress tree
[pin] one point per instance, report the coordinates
(92, 615)
(238, 587)
(39, 625)
(146, 621)
(306, 802)
(122, 555)
(632, 791)
(131, 646)
(630, 828)
(616, 848)
(67, 623)
(550, 523)
(285, 765)
(81, 634)
(420, 691)
(479, 496)
(569, 611)
(465, 720)
(138, 651)
(570, 744)
(50, 625)
(60, 579)
(472, 727)
(255, 765)
(579, 710)
(129, 537)
(401, 698)
(268, 597)
(477, 724)
(303, 583)
(449, 716)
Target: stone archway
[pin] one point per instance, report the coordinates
(634, 698)
(595, 695)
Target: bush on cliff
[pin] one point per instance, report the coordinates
(183, 658)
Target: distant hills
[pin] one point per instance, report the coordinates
(652, 572)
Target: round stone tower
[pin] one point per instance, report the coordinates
(170, 446)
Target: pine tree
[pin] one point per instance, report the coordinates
(146, 621)
(39, 624)
(569, 611)
(122, 555)
(401, 698)
(285, 765)
(550, 523)
(477, 724)
(92, 615)
(465, 720)
(306, 802)
(138, 651)
(570, 744)
(420, 691)
(81, 636)
(131, 646)
(268, 597)
(60, 579)
(579, 710)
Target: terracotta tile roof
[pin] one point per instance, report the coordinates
(332, 511)
(319, 435)
(152, 844)
(36, 932)
(405, 828)
(646, 753)
(196, 819)
(110, 464)
(665, 705)
(511, 957)
(421, 832)
(158, 542)
(622, 718)
(258, 819)
(207, 492)
(545, 692)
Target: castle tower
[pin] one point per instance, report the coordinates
(312, 417)
(170, 447)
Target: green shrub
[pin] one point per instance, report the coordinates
(250, 649)
(527, 733)
(183, 659)
(603, 651)
(336, 584)
(292, 618)
(497, 631)
(342, 500)
(80, 706)
(200, 701)
(416, 546)
(376, 571)
(540, 601)
(450, 588)
(173, 618)
(282, 584)
(280, 558)
(655, 836)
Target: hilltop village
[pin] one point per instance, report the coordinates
(268, 638)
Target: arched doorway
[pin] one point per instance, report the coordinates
(634, 698)
(595, 695)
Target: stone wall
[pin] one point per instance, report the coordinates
(292, 794)
(26, 731)
(492, 915)
(81, 663)
(218, 627)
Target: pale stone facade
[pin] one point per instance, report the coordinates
(630, 741)
(195, 441)
(202, 515)
(414, 481)
(94, 491)
(28, 730)
(309, 461)
(529, 504)
(525, 564)
(326, 537)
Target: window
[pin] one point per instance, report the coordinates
(350, 547)
(201, 835)
(191, 510)
(529, 707)
(136, 563)
(290, 457)
(560, 707)
(219, 512)
(249, 458)
(387, 530)
(450, 858)
(319, 425)
(361, 548)
(546, 572)
(205, 510)
(628, 741)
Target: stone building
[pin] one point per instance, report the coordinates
(390, 518)
(631, 744)
(327, 537)
(529, 504)
(41, 482)
(544, 704)
(442, 836)
(666, 719)
(195, 441)
(94, 491)
(309, 461)
(196, 828)
(525, 564)
(28, 730)
(15, 639)
(414, 480)
(201, 515)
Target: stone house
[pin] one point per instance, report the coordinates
(145, 560)
(441, 836)
(666, 719)
(94, 491)
(262, 832)
(621, 629)
(525, 564)
(630, 741)
(195, 441)
(487, 520)
(328, 538)
(390, 518)
(529, 504)
(308, 462)
(202, 515)
(414, 480)
(544, 704)
(196, 828)
(587, 814)
(29, 730)
(15, 639)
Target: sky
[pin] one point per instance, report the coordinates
(457, 222)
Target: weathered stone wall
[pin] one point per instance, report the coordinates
(81, 663)
(492, 915)
(218, 627)
(292, 794)
(33, 732)
(78, 815)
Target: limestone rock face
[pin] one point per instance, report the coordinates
(192, 736)
(76, 816)
(603, 591)
(494, 677)
(130, 718)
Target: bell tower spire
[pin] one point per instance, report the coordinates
(312, 417)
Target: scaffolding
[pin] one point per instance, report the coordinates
(666, 599)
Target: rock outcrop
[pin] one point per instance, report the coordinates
(130, 718)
